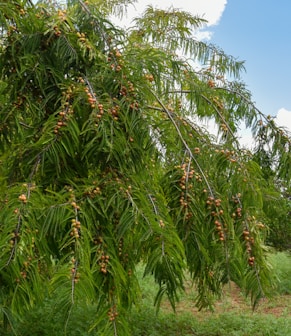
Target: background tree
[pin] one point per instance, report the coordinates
(104, 162)
(278, 201)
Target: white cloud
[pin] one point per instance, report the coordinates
(283, 118)
(203, 35)
(211, 10)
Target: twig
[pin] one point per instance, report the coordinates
(157, 213)
(13, 251)
(74, 273)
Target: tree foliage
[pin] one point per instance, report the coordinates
(105, 164)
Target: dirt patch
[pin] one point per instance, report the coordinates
(233, 301)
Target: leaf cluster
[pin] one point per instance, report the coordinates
(104, 162)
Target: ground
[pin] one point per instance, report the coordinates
(233, 301)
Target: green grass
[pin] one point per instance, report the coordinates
(231, 318)
(146, 323)
(282, 267)
(273, 317)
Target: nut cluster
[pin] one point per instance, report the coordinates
(75, 223)
(103, 263)
(112, 313)
(66, 110)
(185, 184)
(218, 102)
(76, 227)
(251, 261)
(229, 154)
(261, 225)
(22, 198)
(214, 204)
(114, 112)
(57, 31)
(75, 275)
(120, 247)
(211, 83)
(75, 206)
(23, 275)
(249, 240)
(74, 271)
(22, 11)
(123, 91)
(128, 91)
(124, 257)
(93, 192)
(223, 127)
(98, 240)
(149, 77)
(62, 14)
(24, 270)
(115, 60)
(238, 211)
(27, 263)
(81, 37)
(219, 228)
(91, 98)
(61, 121)
(217, 202)
(188, 174)
(134, 105)
(100, 111)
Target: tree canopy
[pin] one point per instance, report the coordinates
(105, 163)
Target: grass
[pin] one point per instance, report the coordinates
(232, 316)
(282, 266)
(227, 324)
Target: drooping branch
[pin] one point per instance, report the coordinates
(214, 107)
(183, 141)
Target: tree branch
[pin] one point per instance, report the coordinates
(183, 141)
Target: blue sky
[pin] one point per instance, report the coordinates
(257, 32)
(260, 33)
